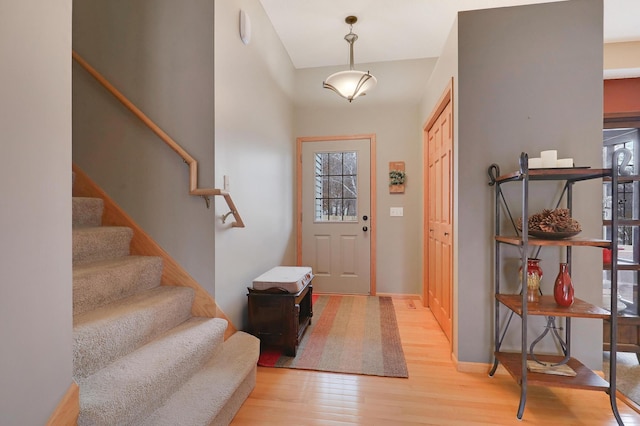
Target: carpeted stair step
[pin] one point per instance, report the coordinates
(215, 393)
(105, 334)
(87, 211)
(92, 244)
(132, 387)
(96, 284)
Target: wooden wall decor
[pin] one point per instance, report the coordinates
(396, 177)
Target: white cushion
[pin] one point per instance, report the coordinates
(290, 278)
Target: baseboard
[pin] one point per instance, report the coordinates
(67, 412)
(399, 296)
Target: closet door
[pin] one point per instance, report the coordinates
(438, 261)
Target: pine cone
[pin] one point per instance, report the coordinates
(558, 220)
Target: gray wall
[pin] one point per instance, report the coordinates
(527, 82)
(390, 111)
(160, 55)
(35, 209)
(397, 134)
(255, 149)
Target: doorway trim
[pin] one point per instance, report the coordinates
(372, 146)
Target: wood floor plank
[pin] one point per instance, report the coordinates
(434, 394)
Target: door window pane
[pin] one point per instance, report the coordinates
(336, 186)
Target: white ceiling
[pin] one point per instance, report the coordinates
(312, 31)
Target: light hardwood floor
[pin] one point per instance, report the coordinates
(434, 394)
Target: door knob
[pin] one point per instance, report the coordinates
(365, 229)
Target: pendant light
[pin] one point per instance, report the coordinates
(350, 84)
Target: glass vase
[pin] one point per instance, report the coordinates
(534, 277)
(563, 287)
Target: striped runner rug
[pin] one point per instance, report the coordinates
(348, 334)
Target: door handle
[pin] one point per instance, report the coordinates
(365, 229)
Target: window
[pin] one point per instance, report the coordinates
(628, 208)
(336, 189)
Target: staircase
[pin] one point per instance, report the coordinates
(139, 356)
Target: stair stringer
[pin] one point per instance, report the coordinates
(204, 305)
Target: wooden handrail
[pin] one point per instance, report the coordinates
(193, 164)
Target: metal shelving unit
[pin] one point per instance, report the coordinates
(516, 362)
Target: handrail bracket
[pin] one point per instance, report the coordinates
(226, 215)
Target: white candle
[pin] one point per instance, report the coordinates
(535, 163)
(565, 162)
(549, 158)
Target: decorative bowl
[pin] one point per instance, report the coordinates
(553, 235)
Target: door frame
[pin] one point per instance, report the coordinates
(445, 99)
(372, 213)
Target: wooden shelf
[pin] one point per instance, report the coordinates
(573, 174)
(548, 306)
(575, 241)
(585, 378)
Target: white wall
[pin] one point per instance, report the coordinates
(159, 54)
(255, 148)
(35, 209)
(527, 82)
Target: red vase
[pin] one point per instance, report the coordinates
(534, 276)
(563, 287)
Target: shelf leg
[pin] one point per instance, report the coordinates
(523, 401)
(614, 408)
(494, 368)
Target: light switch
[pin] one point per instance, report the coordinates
(397, 211)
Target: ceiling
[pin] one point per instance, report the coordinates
(312, 31)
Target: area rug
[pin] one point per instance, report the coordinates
(348, 334)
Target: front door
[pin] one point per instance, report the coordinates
(335, 214)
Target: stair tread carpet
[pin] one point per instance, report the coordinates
(105, 334)
(96, 284)
(91, 244)
(139, 356)
(132, 387)
(87, 211)
(202, 400)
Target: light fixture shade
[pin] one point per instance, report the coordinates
(350, 84)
